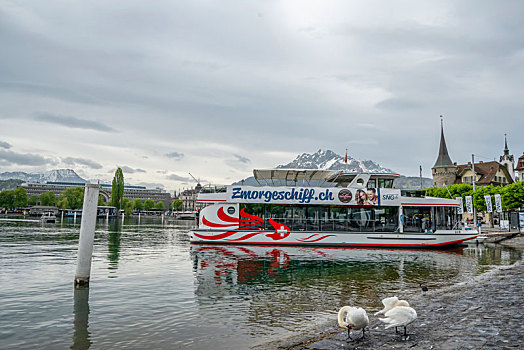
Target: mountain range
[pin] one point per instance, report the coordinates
(59, 175)
(329, 160)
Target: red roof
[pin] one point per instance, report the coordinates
(487, 172)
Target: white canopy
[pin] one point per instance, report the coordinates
(293, 174)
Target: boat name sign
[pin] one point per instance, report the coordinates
(313, 195)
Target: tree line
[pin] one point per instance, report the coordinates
(512, 195)
(71, 198)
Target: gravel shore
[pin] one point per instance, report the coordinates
(486, 312)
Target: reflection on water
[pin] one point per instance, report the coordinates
(81, 336)
(279, 283)
(151, 288)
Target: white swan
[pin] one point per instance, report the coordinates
(353, 317)
(399, 316)
(390, 303)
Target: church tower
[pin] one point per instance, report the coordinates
(507, 159)
(444, 171)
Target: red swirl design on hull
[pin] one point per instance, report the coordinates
(309, 240)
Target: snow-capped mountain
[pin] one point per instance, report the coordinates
(329, 160)
(59, 175)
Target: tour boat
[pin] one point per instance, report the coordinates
(327, 208)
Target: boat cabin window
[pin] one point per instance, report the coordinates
(385, 183)
(419, 219)
(372, 183)
(327, 218)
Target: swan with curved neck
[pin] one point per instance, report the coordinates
(353, 318)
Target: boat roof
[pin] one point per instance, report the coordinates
(314, 174)
(292, 174)
(347, 177)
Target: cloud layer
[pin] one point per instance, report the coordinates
(171, 88)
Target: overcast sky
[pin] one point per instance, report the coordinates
(217, 88)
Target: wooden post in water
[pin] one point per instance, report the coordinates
(87, 235)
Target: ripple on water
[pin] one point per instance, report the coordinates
(151, 288)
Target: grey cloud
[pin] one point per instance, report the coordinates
(25, 158)
(238, 161)
(175, 155)
(5, 145)
(179, 178)
(81, 161)
(151, 184)
(72, 122)
(242, 159)
(129, 170)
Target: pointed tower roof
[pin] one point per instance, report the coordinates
(506, 149)
(443, 159)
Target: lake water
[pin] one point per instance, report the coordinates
(150, 288)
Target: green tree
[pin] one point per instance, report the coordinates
(74, 196)
(138, 204)
(178, 205)
(33, 200)
(20, 200)
(62, 203)
(478, 196)
(117, 189)
(127, 205)
(159, 205)
(7, 199)
(149, 204)
(513, 195)
(48, 198)
(101, 200)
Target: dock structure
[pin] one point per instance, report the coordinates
(87, 235)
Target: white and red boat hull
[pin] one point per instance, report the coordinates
(438, 239)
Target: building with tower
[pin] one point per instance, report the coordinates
(502, 173)
(444, 171)
(507, 159)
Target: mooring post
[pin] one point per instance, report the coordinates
(87, 235)
(74, 218)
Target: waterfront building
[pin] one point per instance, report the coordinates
(189, 197)
(507, 159)
(486, 173)
(445, 172)
(519, 169)
(131, 192)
